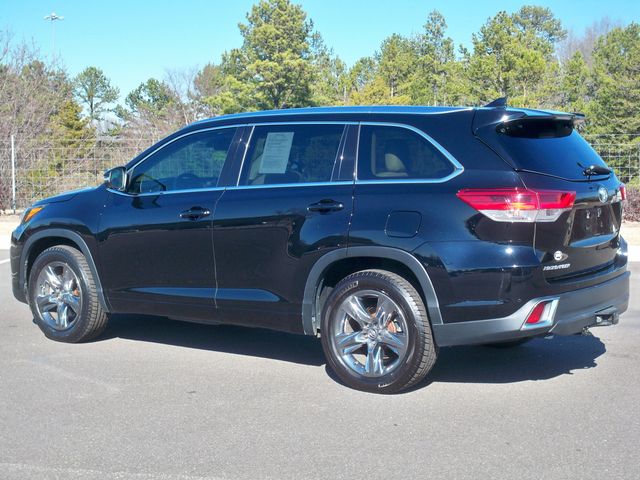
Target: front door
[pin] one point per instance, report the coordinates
(155, 244)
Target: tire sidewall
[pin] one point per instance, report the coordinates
(57, 254)
(404, 372)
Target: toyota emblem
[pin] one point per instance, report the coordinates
(603, 195)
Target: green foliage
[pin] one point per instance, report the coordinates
(541, 23)
(361, 74)
(94, 90)
(274, 66)
(395, 64)
(330, 84)
(434, 78)
(575, 85)
(616, 77)
(69, 128)
(152, 96)
(512, 55)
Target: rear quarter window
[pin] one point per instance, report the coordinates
(390, 152)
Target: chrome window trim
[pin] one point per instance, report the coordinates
(290, 185)
(340, 153)
(355, 160)
(457, 166)
(306, 122)
(166, 192)
(244, 154)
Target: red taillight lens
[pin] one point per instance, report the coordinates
(552, 199)
(518, 204)
(623, 192)
(536, 313)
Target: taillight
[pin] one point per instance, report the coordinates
(518, 204)
(623, 192)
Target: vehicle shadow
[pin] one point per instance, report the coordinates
(253, 342)
(540, 359)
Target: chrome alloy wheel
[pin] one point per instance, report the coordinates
(59, 296)
(370, 334)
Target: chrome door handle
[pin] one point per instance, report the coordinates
(195, 213)
(325, 206)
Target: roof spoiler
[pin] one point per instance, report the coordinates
(576, 118)
(495, 116)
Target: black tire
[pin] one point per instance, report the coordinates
(420, 353)
(91, 319)
(509, 343)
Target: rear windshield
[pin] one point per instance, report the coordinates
(549, 147)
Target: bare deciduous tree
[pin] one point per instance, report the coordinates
(584, 43)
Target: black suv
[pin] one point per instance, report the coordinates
(388, 231)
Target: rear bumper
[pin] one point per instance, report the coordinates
(575, 311)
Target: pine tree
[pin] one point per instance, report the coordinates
(616, 77)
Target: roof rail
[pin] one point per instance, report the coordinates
(498, 102)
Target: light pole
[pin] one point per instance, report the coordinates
(52, 17)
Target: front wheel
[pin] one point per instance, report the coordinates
(376, 333)
(63, 296)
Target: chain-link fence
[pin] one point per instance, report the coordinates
(46, 170)
(621, 152)
(37, 171)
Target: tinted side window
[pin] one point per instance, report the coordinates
(291, 154)
(387, 152)
(194, 161)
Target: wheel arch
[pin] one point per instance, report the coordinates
(40, 241)
(347, 260)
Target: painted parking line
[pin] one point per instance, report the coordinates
(4, 261)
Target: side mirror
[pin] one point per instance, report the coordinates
(116, 178)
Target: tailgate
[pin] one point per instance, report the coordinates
(585, 240)
(549, 154)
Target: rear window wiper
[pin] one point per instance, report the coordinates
(594, 170)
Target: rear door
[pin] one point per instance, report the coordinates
(550, 155)
(288, 209)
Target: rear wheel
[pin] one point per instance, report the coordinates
(63, 296)
(376, 333)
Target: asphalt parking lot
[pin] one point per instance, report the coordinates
(155, 398)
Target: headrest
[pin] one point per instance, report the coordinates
(393, 163)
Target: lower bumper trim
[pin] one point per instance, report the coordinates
(576, 310)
